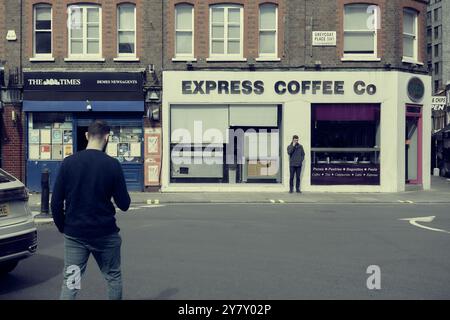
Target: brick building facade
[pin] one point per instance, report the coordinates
(262, 65)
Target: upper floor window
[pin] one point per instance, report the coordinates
(360, 30)
(42, 31)
(126, 30)
(85, 31)
(226, 30)
(184, 31)
(268, 26)
(410, 46)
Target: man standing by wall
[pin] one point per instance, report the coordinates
(296, 157)
(83, 211)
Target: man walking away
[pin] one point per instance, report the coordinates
(296, 157)
(83, 211)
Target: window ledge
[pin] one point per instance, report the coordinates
(42, 59)
(411, 61)
(225, 59)
(84, 59)
(184, 59)
(126, 59)
(263, 59)
(361, 58)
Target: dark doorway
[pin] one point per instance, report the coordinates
(81, 138)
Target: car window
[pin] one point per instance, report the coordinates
(4, 177)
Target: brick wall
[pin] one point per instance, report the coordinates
(148, 35)
(201, 31)
(2, 30)
(297, 20)
(13, 153)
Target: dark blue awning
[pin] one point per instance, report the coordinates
(81, 106)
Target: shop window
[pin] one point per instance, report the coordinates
(184, 31)
(225, 144)
(126, 30)
(42, 31)
(410, 35)
(226, 30)
(345, 144)
(85, 31)
(360, 31)
(125, 144)
(50, 136)
(268, 25)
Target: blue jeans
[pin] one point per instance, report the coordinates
(106, 251)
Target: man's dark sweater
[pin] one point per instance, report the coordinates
(86, 182)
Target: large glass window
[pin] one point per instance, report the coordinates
(125, 144)
(184, 31)
(410, 47)
(42, 30)
(225, 143)
(268, 24)
(360, 29)
(50, 136)
(345, 144)
(85, 31)
(226, 31)
(126, 29)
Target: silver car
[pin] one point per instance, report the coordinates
(18, 235)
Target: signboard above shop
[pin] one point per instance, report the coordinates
(83, 81)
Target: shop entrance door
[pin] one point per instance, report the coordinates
(413, 145)
(81, 138)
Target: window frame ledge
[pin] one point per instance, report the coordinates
(267, 59)
(226, 59)
(42, 59)
(360, 58)
(412, 61)
(184, 59)
(126, 59)
(80, 59)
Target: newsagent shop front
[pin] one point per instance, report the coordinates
(361, 131)
(61, 105)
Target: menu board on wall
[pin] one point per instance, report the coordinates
(345, 174)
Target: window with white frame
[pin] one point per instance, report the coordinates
(268, 26)
(85, 31)
(184, 31)
(410, 47)
(226, 31)
(42, 31)
(126, 30)
(360, 30)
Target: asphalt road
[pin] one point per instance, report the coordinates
(275, 251)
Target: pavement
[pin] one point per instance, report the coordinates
(439, 193)
(260, 251)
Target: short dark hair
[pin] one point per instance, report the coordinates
(295, 137)
(98, 129)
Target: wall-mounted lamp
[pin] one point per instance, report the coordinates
(154, 113)
(14, 116)
(318, 64)
(88, 105)
(189, 65)
(153, 96)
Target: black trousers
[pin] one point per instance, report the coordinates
(295, 173)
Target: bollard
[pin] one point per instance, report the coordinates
(45, 195)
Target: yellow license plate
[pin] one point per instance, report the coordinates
(4, 210)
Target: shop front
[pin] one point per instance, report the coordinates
(229, 131)
(60, 107)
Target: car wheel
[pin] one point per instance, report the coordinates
(7, 267)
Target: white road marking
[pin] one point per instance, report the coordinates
(414, 222)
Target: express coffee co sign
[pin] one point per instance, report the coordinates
(294, 87)
(86, 81)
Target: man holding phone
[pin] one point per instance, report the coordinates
(296, 157)
(83, 211)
